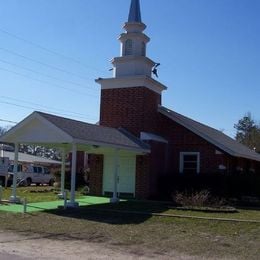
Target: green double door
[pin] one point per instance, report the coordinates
(126, 175)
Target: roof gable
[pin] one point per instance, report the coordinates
(35, 129)
(211, 135)
(42, 128)
(96, 134)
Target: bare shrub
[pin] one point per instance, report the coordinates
(197, 199)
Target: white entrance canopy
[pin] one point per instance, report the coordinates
(71, 136)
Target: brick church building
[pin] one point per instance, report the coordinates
(131, 100)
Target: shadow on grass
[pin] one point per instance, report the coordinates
(254, 208)
(125, 212)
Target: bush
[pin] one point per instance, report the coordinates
(85, 190)
(197, 199)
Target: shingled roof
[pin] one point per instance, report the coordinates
(213, 136)
(95, 133)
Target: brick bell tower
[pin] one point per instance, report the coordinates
(131, 97)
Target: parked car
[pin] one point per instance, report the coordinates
(28, 174)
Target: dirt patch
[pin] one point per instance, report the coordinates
(35, 246)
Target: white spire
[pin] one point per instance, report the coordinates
(135, 12)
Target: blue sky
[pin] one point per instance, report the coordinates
(51, 51)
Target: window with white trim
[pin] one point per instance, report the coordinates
(189, 162)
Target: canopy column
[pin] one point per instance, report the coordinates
(14, 198)
(62, 185)
(72, 203)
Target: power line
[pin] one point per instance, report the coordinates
(39, 105)
(42, 110)
(48, 83)
(8, 121)
(45, 75)
(49, 50)
(44, 64)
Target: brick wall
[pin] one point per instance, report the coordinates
(183, 140)
(96, 174)
(134, 109)
(149, 168)
(142, 183)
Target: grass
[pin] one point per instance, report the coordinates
(35, 193)
(158, 207)
(143, 233)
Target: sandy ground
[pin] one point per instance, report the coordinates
(24, 246)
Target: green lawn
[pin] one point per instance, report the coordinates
(33, 193)
(46, 193)
(165, 208)
(142, 233)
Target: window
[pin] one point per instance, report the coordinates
(46, 170)
(143, 49)
(189, 162)
(11, 168)
(128, 47)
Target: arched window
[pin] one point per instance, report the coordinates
(128, 47)
(143, 49)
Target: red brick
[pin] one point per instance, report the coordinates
(134, 109)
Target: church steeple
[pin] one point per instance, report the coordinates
(135, 12)
(133, 60)
(131, 97)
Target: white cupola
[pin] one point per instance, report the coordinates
(132, 68)
(133, 60)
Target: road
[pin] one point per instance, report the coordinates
(5, 256)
